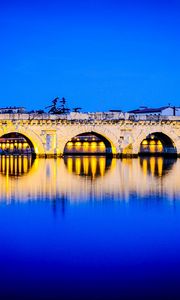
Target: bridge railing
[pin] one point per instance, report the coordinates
(81, 117)
(155, 118)
(71, 116)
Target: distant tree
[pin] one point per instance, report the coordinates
(77, 109)
(61, 109)
(53, 107)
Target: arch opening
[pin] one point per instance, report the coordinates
(157, 144)
(15, 143)
(89, 143)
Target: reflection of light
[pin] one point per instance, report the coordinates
(3, 163)
(15, 165)
(78, 165)
(152, 165)
(70, 164)
(85, 165)
(144, 166)
(11, 164)
(160, 165)
(93, 166)
(102, 165)
(25, 164)
(20, 164)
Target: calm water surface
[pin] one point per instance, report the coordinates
(89, 228)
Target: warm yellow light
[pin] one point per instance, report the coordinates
(160, 165)
(78, 165)
(93, 166)
(85, 165)
(152, 148)
(152, 165)
(69, 144)
(102, 147)
(144, 142)
(93, 144)
(159, 148)
(78, 144)
(85, 144)
(102, 165)
(144, 166)
(25, 164)
(20, 164)
(70, 164)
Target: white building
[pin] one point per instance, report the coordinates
(161, 111)
(12, 110)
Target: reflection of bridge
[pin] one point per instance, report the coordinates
(87, 178)
(49, 134)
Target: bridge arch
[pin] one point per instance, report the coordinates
(106, 137)
(156, 142)
(30, 135)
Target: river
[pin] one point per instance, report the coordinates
(89, 228)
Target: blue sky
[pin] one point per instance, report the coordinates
(99, 55)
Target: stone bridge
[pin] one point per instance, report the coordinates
(50, 133)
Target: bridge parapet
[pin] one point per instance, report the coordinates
(71, 116)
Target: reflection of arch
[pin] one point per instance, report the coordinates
(32, 137)
(169, 141)
(156, 166)
(91, 167)
(15, 165)
(109, 147)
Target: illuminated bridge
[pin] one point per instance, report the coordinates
(46, 135)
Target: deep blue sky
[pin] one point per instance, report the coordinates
(98, 54)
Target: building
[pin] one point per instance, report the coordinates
(160, 111)
(12, 110)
